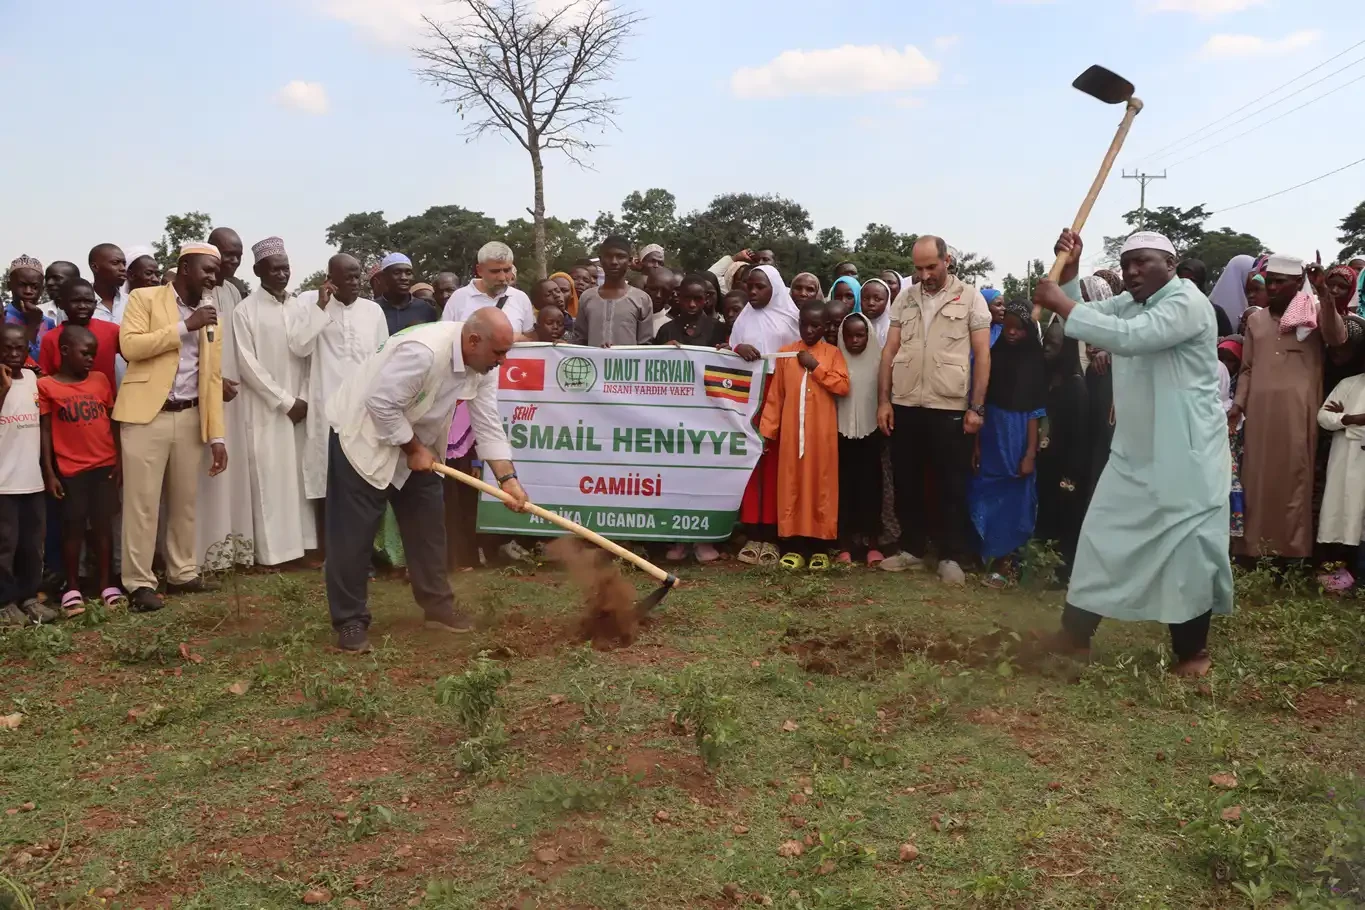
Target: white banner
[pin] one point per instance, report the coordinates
(636, 443)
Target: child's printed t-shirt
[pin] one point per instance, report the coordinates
(82, 436)
(21, 469)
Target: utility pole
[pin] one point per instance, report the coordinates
(1143, 180)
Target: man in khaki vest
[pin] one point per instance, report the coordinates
(931, 400)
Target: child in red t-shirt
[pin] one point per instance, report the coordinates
(81, 459)
(77, 299)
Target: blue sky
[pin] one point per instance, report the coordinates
(963, 123)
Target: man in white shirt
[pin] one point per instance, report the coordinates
(389, 420)
(493, 286)
(339, 330)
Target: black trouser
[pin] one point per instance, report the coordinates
(462, 507)
(860, 492)
(1188, 639)
(355, 510)
(23, 517)
(926, 438)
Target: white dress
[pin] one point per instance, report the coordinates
(1343, 496)
(272, 381)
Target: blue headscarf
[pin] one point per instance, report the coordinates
(990, 294)
(857, 291)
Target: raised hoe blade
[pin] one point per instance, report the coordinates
(1109, 87)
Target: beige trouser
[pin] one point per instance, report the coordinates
(169, 450)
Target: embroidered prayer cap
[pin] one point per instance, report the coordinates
(198, 248)
(1148, 240)
(134, 253)
(651, 248)
(270, 246)
(26, 262)
(1284, 265)
(394, 259)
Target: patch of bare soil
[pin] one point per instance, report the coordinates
(864, 656)
(609, 618)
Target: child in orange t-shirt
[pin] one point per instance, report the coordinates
(81, 459)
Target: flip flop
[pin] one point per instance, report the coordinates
(874, 558)
(751, 554)
(113, 598)
(72, 603)
(794, 562)
(819, 562)
(845, 558)
(995, 580)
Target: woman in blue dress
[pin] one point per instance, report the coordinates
(1003, 496)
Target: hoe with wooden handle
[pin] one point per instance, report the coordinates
(1111, 88)
(642, 607)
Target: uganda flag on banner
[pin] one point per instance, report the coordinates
(728, 382)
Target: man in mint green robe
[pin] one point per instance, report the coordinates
(1154, 545)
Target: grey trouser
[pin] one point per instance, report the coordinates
(355, 510)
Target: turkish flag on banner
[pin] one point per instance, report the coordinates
(528, 375)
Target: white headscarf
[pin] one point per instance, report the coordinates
(858, 409)
(882, 324)
(1230, 292)
(773, 327)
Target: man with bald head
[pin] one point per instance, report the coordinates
(932, 400)
(339, 330)
(390, 423)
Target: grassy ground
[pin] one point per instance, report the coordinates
(220, 754)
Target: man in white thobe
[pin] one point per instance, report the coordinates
(274, 393)
(338, 330)
(225, 500)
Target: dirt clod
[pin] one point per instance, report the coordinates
(609, 618)
(791, 848)
(1224, 780)
(740, 830)
(909, 853)
(1232, 814)
(547, 856)
(732, 893)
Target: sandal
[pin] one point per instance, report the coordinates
(751, 554)
(72, 603)
(768, 555)
(874, 558)
(819, 562)
(113, 598)
(996, 581)
(793, 561)
(845, 558)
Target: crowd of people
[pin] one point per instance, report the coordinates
(144, 418)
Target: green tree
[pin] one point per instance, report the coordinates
(971, 267)
(364, 235)
(1183, 227)
(538, 77)
(180, 229)
(881, 247)
(314, 281)
(1216, 248)
(444, 238)
(737, 221)
(1352, 234)
(832, 241)
(648, 217)
(565, 243)
(1022, 288)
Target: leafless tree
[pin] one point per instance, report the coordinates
(540, 76)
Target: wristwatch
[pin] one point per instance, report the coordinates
(979, 411)
(506, 477)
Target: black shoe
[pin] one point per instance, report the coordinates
(193, 586)
(449, 622)
(144, 600)
(353, 637)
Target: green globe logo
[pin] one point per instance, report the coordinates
(576, 374)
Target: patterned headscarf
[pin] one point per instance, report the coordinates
(1097, 287)
(1113, 279)
(1351, 276)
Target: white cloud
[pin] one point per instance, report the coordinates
(944, 42)
(847, 70)
(307, 97)
(1204, 9)
(907, 103)
(393, 22)
(1226, 47)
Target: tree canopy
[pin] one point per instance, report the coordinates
(1352, 234)
(1185, 229)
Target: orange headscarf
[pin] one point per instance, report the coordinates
(572, 306)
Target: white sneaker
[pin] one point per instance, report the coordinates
(707, 553)
(900, 562)
(950, 573)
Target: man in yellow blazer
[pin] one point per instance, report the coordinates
(169, 406)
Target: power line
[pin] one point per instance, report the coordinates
(1289, 190)
(1255, 100)
(1266, 123)
(1263, 109)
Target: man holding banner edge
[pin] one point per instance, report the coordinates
(387, 420)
